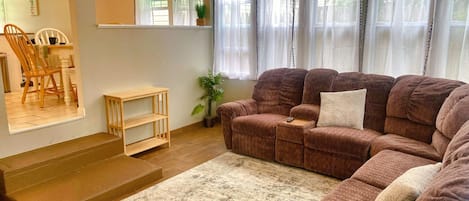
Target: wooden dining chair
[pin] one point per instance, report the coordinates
(34, 66)
(42, 36)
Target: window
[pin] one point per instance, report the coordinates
(397, 38)
(450, 48)
(235, 33)
(167, 12)
(159, 12)
(255, 36)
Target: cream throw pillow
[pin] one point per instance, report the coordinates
(342, 109)
(409, 185)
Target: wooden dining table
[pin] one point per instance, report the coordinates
(61, 56)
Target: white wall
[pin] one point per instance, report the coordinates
(52, 13)
(119, 59)
(237, 90)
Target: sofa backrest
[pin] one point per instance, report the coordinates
(452, 115)
(377, 86)
(278, 90)
(413, 105)
(458, 147)
(316, 81)
(452, 181)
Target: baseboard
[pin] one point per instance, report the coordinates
(187, 128)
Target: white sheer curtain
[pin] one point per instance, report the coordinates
(275, 34)
(235, 39)
(449, 57)
(328, 34)
(184, 12)
(143, 12)
(395, 37)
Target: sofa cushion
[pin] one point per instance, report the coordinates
(305, 111)
(454, 112)
(458, 147)
(262, 125)
(386, 166)
(339, 140)
(342, 109)
(278, 90)
(409, 185)
(377, 86)
(451, 183)
(352, 190)
(316, 81)
(406, 145)
(440, 142)
(416, 100)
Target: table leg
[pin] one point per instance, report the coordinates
(66, 83)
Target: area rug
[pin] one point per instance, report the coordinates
(234, 177)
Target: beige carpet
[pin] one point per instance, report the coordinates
(235, 177)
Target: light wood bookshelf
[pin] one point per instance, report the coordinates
(118, 123)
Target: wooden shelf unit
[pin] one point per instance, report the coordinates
(117, 123)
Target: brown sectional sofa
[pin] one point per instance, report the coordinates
(409, 121)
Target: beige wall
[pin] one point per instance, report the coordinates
(119, 59)
(52, 13)
(111, 12)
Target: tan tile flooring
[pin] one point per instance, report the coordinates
(29, 114)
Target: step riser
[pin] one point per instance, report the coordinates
(128, 188)
(29, 176)
(105, 180)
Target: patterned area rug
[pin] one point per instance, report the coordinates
(234, 177)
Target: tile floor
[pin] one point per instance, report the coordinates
(29, 114)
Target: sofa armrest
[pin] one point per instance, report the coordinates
(305, 111)
(228, 111)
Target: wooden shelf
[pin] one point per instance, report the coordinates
(140, 120)
(143, 145)
(117, 123)
(137, 94)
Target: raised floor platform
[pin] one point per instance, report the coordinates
(88, 168)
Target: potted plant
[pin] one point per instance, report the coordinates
(201, 9)
(213, 93)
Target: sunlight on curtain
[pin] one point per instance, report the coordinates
(235, 39)
(395, 37)
(184, 12)
(450, 45)
(275, 33)
(143, 12)
(328, 35)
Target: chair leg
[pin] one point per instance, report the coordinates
(25, 90)
(72, 91)
(36, 85)
(54, 85)
(41, 93)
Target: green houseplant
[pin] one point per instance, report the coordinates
(213, 93)
(201, 10)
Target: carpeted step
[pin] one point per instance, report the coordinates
(27, 169)
(104, 180)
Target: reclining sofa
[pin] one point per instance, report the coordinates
(409, 121)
